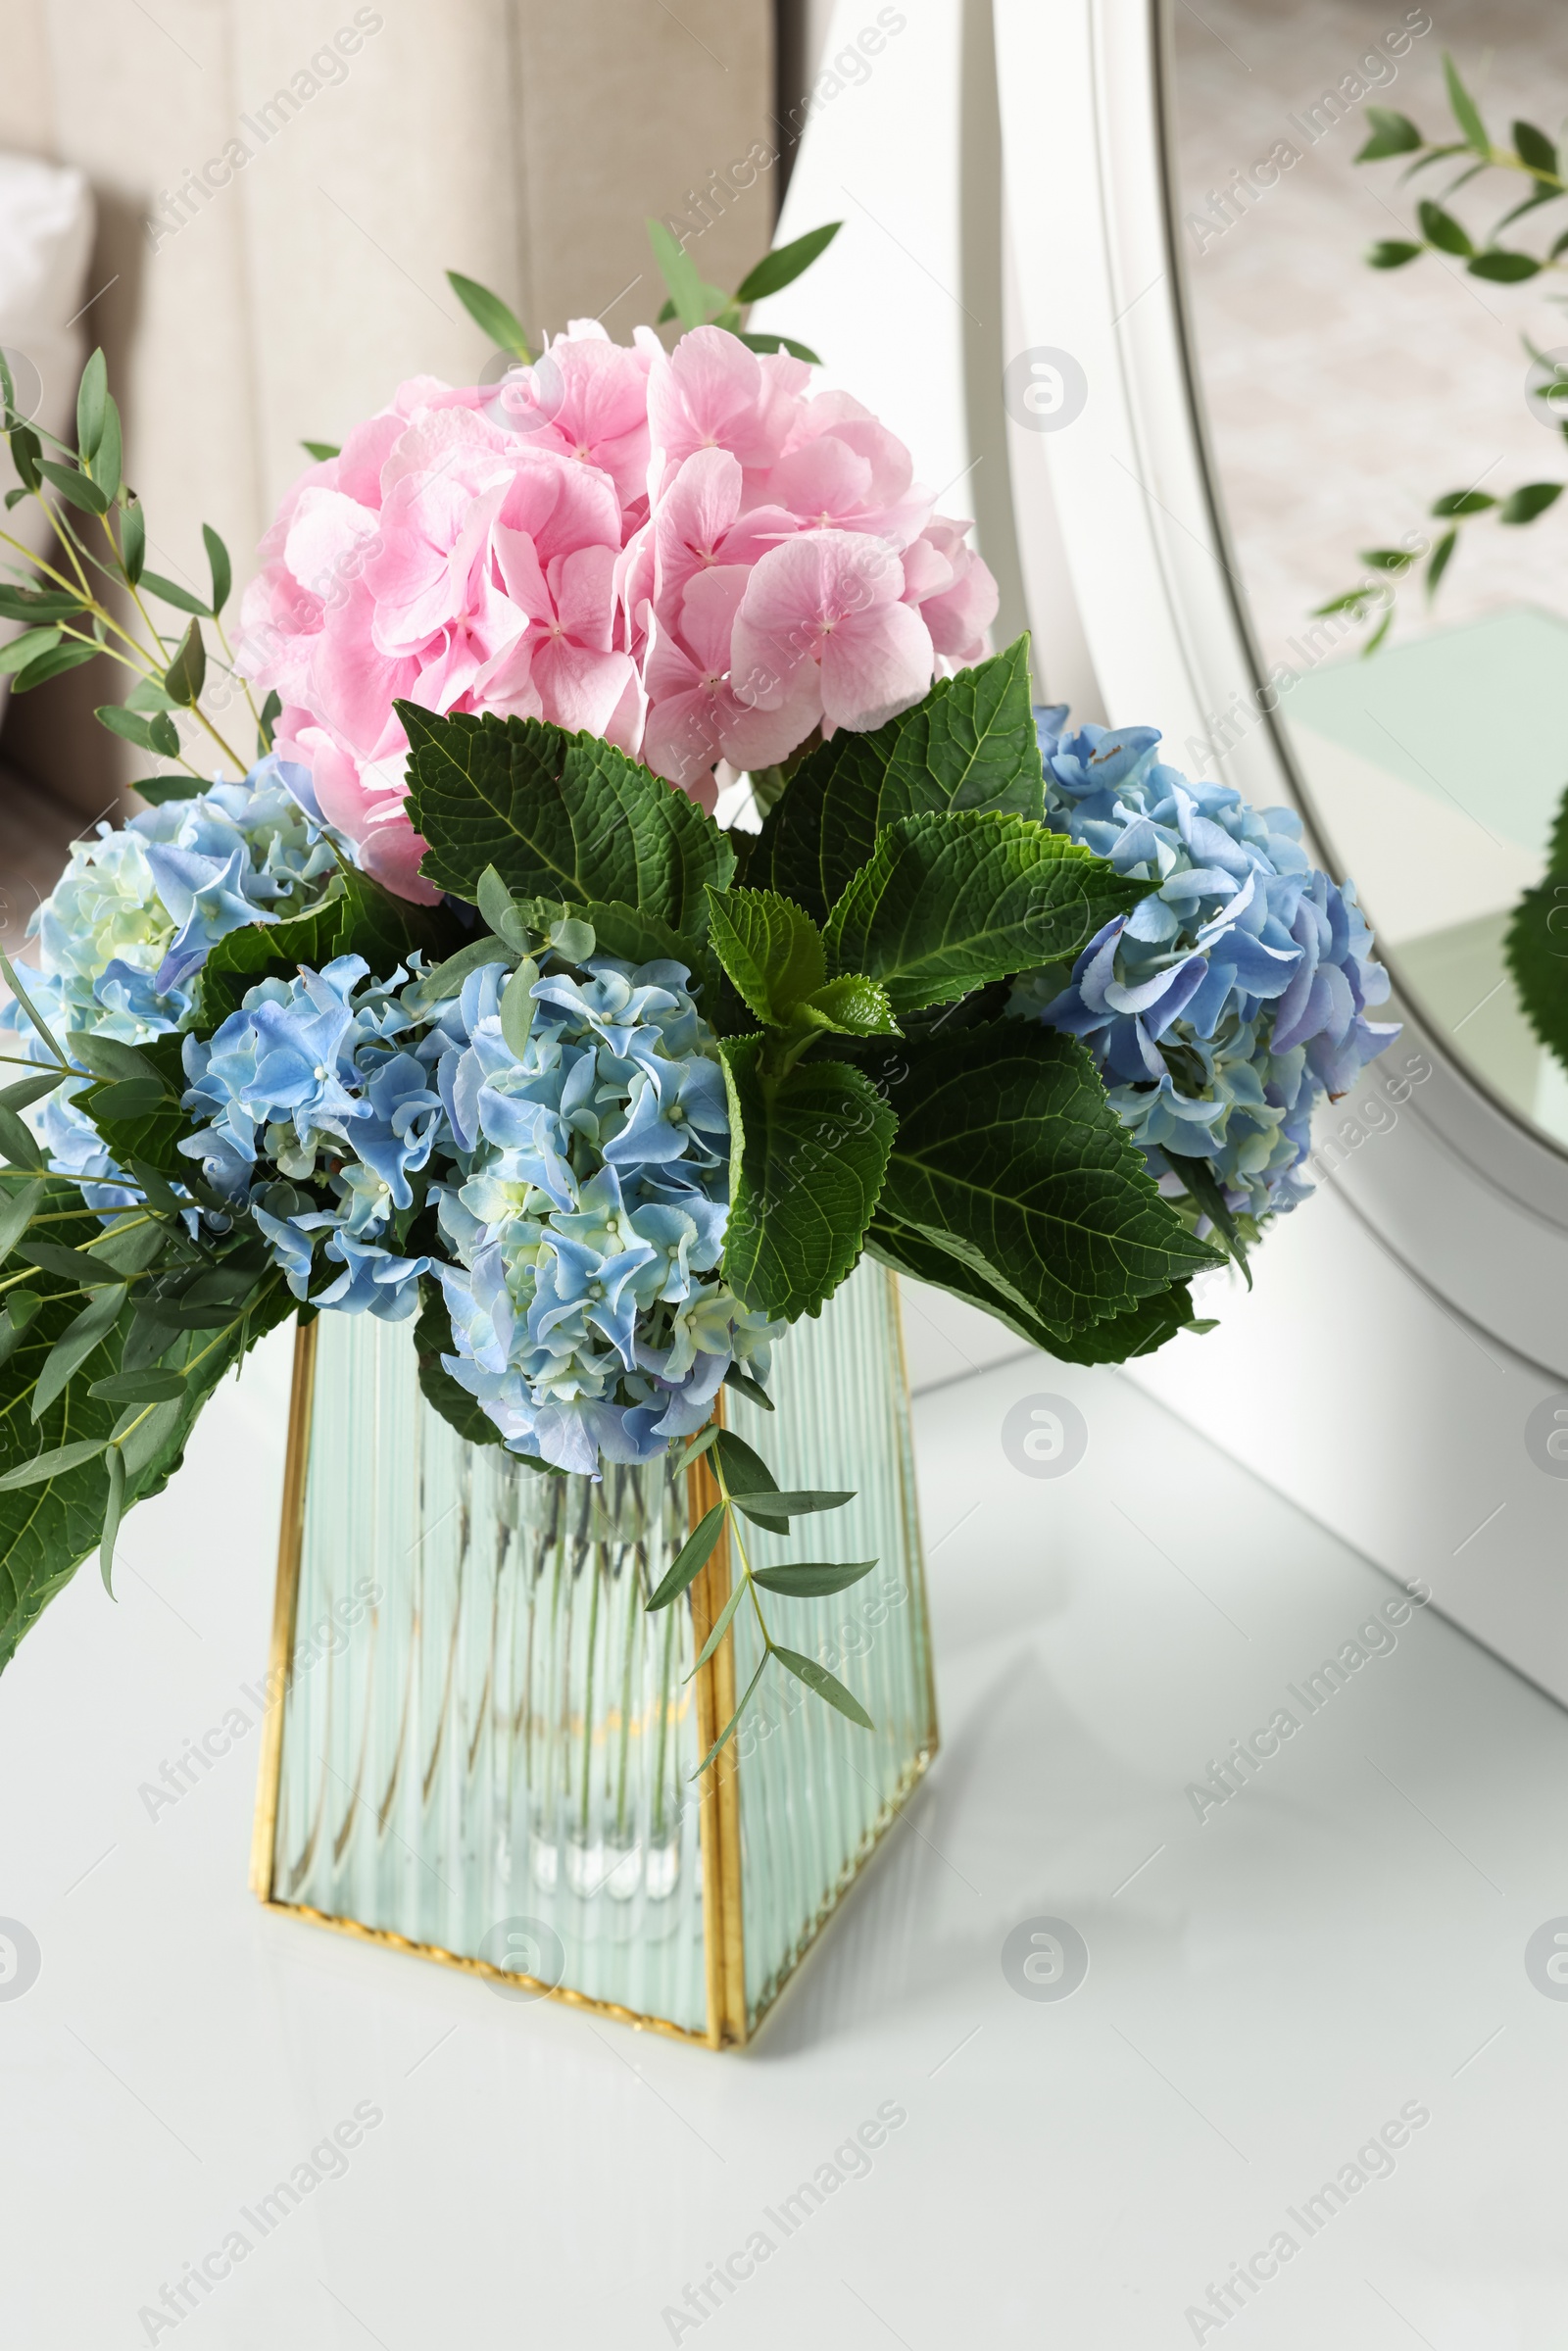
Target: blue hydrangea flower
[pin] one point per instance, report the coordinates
(1233, 997)
(122, 935)
(588, 1224)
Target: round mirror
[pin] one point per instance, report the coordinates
(1367, 215)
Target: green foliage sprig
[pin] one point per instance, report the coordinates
(1535, 157)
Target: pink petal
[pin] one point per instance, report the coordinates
(874, 665)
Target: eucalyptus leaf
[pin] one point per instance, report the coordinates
(17, 1211)
(92, 394)
(18, 1143)
(81, 1338)
(692, 1557)
(74, 487)
(27, 1091)
(812, 1579)
(223, 569)
(114, 1509)
(785, 263)
(52, 1464)
(1465, 111)
(140, 1387)
(721, 1626)
(170, 591)
(518, 1007)
(767, 1510)
(187, 671)
(826, 1686)
(491, 316)
(729, 1732)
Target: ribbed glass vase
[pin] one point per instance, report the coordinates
(484, 1745)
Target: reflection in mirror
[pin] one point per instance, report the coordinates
(1389, 453)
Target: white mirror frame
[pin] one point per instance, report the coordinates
(1407, 1321)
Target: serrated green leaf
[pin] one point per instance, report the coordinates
(969, 746)
(807, 1154)
(851, 1006)
(826, 1686)
(786, 262)
(92, 394)
(949, 904)
(1009, 1158)
(692, 1557)
(558, 815)
(812, 1579)
(491, 316)
(770, 947)
(1465, 111)
(621, 930)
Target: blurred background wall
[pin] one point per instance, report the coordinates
(360, 152)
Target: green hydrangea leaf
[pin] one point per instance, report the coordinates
(969, 745)
(949, 904)
(770, 947)
(808, 1156)
(558, 815)
(1010, 1162)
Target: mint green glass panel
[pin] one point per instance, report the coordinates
(494, 1756)
(817, 1792)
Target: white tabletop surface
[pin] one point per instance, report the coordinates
(1341, 1942)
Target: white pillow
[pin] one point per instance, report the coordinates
(46, 229)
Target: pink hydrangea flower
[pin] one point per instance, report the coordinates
(687, 554)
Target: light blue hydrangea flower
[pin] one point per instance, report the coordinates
(127, 927)
(1230, 999)
(588, 1223)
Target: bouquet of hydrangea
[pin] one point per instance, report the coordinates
(461, 1008)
